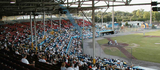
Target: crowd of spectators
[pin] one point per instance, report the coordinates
(57, 50)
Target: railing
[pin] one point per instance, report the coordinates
(69, 44)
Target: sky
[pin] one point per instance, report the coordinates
(132, 8)
(129, 8)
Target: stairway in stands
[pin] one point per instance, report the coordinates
(65, 10)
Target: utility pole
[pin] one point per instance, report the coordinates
(102, 20)
(113, 17)
(151, 14)
(82, 34)
(93, 26)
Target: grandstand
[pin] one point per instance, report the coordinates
(44, 42)
(17, 38)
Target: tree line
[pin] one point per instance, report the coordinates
(136, 15)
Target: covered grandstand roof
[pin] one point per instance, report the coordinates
(24, 7)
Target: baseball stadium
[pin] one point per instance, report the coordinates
(79, 35)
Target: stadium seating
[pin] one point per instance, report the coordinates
(62, 46)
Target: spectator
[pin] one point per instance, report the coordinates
(24, 60)
(16, 52)
(43, 59)
(76, 67)
(60, 54)
(54, 62)
(63, 66)
(71, 67)
(94, 67)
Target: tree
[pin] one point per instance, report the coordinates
(126, 24)
(134, 14)
(139, 13)
(156, 16)
(146, 15)
(107, 18)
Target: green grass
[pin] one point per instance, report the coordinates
(103, 41)
(154, 33)
(114, 51)
(143, 48)
(111, 50)
(131, 29)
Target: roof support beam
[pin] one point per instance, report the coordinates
(118, 5)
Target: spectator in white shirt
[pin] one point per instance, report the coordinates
(24, 60)
(16, 52)
(43, 59)
(94, 68)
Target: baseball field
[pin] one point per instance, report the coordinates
(137, 46)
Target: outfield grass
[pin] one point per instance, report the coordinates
(143, 48)
(154, 33)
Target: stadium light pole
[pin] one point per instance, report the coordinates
(31, 27)
(93, 27)
(113, 17)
